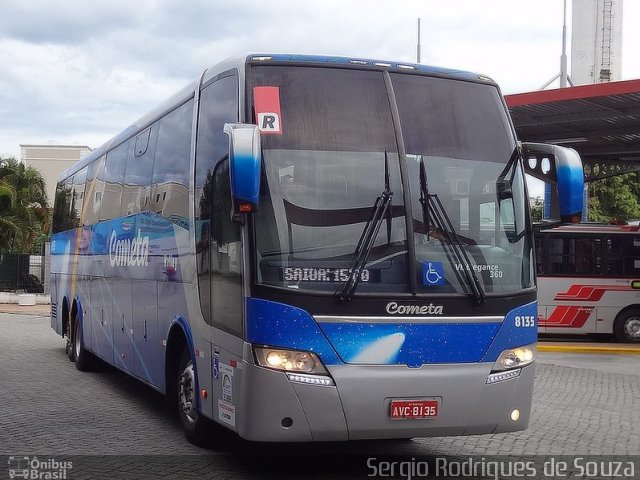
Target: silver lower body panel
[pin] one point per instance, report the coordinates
(357, 408)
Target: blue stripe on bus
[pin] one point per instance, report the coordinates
(520, 327)
(279, 325)
(412, 344)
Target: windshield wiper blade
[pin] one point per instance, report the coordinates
(387, 183)
(368, 237)
(424, 199)
(432, 207)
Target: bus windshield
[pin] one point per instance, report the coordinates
(335, 148)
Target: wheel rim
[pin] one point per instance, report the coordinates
(632, 328)
(187, 397)
(76, 341)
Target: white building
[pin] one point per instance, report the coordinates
(596, 41)
(51, 161)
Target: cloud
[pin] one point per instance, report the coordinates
(84, 70)
(62, 22)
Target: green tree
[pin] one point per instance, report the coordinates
(537, 209)
(24, 211)
(615, 198)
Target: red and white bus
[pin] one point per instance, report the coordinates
(589, 279)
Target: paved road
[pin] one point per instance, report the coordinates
(583, 405)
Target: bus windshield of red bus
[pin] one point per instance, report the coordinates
(330, 148)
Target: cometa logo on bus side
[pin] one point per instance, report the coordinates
(393, 308)
(129, 252)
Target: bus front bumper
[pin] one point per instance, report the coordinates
(358, 406)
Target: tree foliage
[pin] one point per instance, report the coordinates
(24, 211)
(615, 199)
(537, 209)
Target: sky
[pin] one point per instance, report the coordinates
(77, 72)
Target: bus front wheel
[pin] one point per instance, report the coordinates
(627, 326)
(193, 424)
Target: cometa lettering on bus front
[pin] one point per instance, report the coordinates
(394, 309)
(129, 252)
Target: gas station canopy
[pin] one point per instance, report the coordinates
(601, 121)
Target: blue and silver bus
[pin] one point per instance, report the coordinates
(305, 248)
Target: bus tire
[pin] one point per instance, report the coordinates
(81, 357)
(70, 337)
(626, 328)
(194, 425)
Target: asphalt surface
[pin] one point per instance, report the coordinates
(110, 426)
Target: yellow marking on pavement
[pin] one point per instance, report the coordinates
(568, 347)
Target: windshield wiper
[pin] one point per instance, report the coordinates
(432, 208)
(368, 237)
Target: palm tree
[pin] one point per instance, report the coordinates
(24, 211)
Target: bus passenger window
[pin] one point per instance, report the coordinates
(78, 195)
(170, 196)
(557, 260)
(113, 178)
(587, 252)
(93, 191)
(539, 255)
(575, 256)
(137, 180)
(623, 253)
(62, 219)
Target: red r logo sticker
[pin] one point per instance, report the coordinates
(266, 104)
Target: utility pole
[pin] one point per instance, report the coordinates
(563, 75)
(418, 48)
(563, 58)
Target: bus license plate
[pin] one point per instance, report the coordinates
(407, 409)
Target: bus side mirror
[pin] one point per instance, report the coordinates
(569, 176)
(245, 163)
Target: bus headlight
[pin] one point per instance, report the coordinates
(515, 358)
(289, 360)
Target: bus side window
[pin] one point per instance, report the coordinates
(539, 255)
(170, 191)
(71, 204)
(78, 195)
(575, 256)
(557, 260)
(62, 219)
(93, 191)
(113, 178)
(218, 105)
(587, 256)
(226, 256)
(623, 255)
(137, 178)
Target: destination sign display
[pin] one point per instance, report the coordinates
(326, 274)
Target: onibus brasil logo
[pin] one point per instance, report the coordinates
(34, 468)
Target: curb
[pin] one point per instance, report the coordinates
(616, 350)
(15, 309)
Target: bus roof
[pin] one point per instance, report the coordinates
(367, 62)
(238, 63)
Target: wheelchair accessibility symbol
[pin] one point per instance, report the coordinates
(432, 274)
